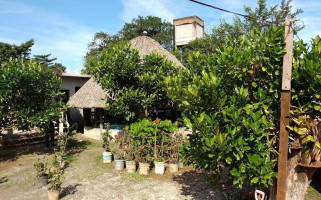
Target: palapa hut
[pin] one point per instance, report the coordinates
(91, 97)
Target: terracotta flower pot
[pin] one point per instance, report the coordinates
(53, 194)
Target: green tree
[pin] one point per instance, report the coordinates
(158, 29)
(135, 84)
(46, 61)
(231, 101)
(29, 94)
(8, 51)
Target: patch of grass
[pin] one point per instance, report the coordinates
(312, 194)
(132, 176)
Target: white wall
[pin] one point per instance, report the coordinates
(70, 83)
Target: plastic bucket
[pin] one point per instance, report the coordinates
(159, 167)
(107, 157)
(115, 156)
(42, 180)
(119, 164)
(130, 166)
(173, 167)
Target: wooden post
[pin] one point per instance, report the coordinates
(285, 111)
(101, 120)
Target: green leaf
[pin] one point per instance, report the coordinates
(255, 180)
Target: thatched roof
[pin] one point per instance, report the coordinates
(146, 45)
(91, 95)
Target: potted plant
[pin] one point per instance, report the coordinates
(120, 161)
(129, 156)
(173, 156)
(107, 139)
(308, 134)
(63, 141)
(56, 177)
(159, 142)
(41, 168)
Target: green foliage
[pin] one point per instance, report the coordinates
(135, 85)
(41, 166)
(8, 51)
(151, 139)
(308, 132)
(56, 174)
(156, 28)
(107, 138)
(230, 100)
(264, 17)
(29, 95)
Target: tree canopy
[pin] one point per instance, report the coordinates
(8, 51)
(231, 100)
(28, 94)
(135, 85)
(158, 29)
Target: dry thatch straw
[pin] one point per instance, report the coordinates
(91, 95)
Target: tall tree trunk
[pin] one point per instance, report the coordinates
(298, 179)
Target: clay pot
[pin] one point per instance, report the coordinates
(53, 194)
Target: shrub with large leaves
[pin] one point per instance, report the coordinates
(231, 100)
(28, 94)
(136, 85)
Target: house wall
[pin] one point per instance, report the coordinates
(70, 82)
(94, 133)
(187, 29)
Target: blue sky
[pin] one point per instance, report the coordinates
(65, 27)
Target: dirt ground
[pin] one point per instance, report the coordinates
(87, 177)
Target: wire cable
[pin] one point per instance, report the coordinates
(221, 9)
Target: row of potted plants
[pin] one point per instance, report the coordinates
(54, 172)
(145, 142)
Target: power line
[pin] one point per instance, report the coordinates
(221, 9)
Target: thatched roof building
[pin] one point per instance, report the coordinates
(91, 95)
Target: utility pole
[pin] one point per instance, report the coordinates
(285, 111)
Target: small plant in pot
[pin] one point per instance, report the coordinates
(159, 148)
(173, 153)
(63, 142)
(120, 162)
(130, 156)
(107, 140)
(42, 171)
(56, 177)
